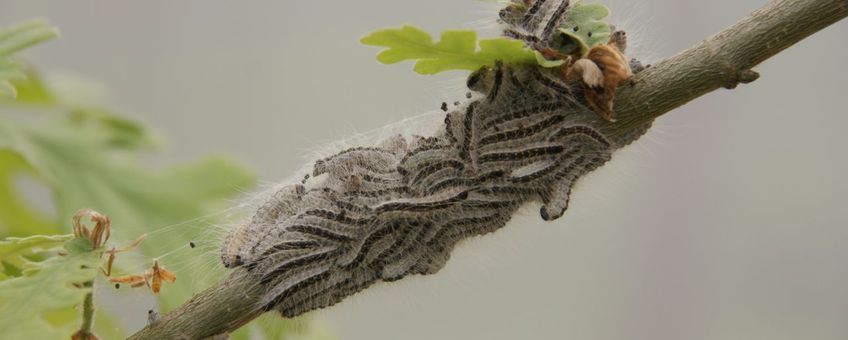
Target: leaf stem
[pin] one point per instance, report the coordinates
(88, 310)
(84, 333)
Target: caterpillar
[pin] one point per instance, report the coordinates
(398, 208)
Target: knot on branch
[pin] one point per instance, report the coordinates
(742, 77)
(735, 74)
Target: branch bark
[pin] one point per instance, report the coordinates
(724, 60)
(219, 309)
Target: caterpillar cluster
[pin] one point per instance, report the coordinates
(398, 208)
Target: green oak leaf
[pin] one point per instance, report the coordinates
(15, 251)
(456, 50)
(35, 305)
(585, 26)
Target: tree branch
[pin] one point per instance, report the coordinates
(222, 308)
(724, 60)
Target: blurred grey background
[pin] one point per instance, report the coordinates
(726, 221)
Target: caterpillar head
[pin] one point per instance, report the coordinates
(231, 251)
(243, 241)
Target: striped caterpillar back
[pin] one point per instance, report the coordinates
(382, 213)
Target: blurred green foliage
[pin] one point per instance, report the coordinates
(14, 39)
(90, 157)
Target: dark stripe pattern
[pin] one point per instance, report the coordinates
(382, 213)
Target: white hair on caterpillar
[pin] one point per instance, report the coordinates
(424, 124)
(632, 18)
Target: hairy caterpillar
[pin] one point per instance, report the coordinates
(398, 208)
